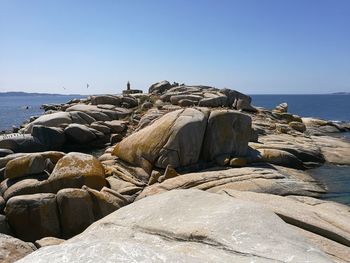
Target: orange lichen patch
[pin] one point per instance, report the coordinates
(137, 150)
(80, 168)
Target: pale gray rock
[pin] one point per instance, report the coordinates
(106, 99)
(21, 143)
(185, 226)
(227, 132)
(50, 120)
(13, 249)
(159, 87)
(265, 179)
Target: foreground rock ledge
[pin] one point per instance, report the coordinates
(185, 226)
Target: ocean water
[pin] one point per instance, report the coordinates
(14, 110)
(329, 107)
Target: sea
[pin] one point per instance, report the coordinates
(14, 110)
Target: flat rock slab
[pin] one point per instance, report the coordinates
(185, 226)
(272, 179)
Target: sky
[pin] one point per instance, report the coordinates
(254, 46)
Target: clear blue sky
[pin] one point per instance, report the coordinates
(255, 46)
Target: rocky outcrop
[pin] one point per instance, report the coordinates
(162, 228)
(265, 179)
(184, 137)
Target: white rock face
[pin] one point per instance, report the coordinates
(185, 226)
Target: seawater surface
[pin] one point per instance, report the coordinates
(329, 107)
(14, 110)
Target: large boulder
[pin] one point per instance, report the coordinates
(79, 133)
(33, 216)
(26, 165)
(227, 133)
(159, 87)
(186, 226)
(55, 119)
(53, 138)
(77, 169)
(75, 210)
(176, 139)
(13, 249)
(30, 164)
(21, 143)
(106, 99)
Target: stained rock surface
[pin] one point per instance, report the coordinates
(186, 226)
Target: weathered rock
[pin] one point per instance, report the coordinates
(177, 98)
(298, 126)
(146, 105)
(304, 148)
(75, 210)
(282, 108)
(13, 249)
(159, 87)
(233, 95)
(265, 179)
(48, 241)
(105, 202)
(79, 133)
(238, 162)
(286, 117)
(121, 186)
(50, 120)
(227, 132)
(168, 140)
(33, 216)
(100, 126)
(187, 103)
(213, 102)
(107, 99)
(279, 157)
(53, 138)
(335, 150)
(116, 126)
(327, 219)
(77, 169)
(5, 152)
(26, 165)
(26, 185)
(129, 102)
(115, 138)
(21, 143)
(170, 172)
(243, 105)
(100, 114)
(196, 227)
(4, 226)
(30, 164)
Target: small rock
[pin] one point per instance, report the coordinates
(48, 241)
(283, 107)
(238, 162)
(154, 177)
(298, 126)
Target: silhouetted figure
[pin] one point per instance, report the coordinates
(128, 86)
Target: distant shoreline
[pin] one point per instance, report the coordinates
(21, 93)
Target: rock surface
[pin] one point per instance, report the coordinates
(225, 230)
(13, 249)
